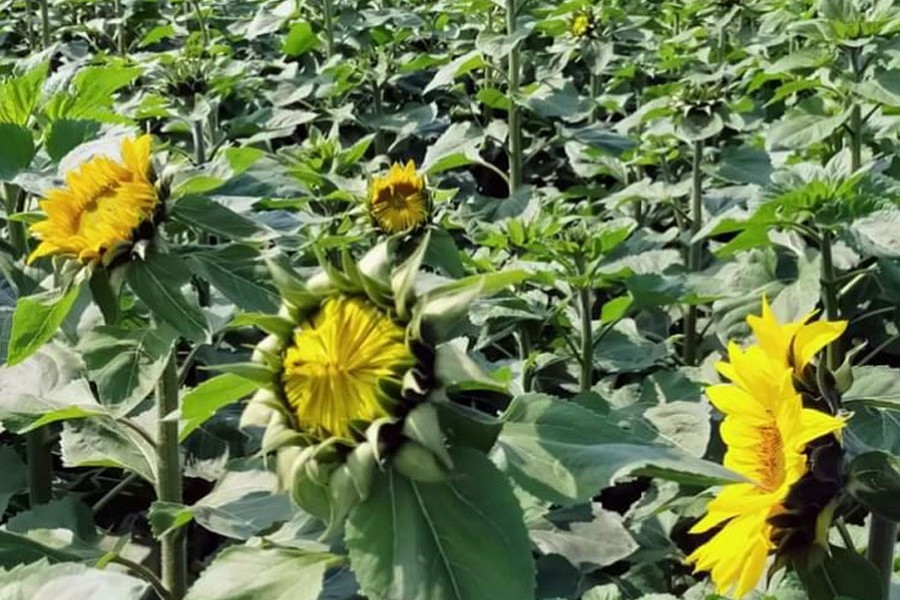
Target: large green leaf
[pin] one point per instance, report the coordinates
(36, 320)
(841, 575)
(564, 453)
(41, 580)
(157, 281)
(126, 364)
(105, 442)
(211, 216)
(248, 573)
(16, 151)
(458, 540)
(239, 274)
(874, 480)
(19, 96)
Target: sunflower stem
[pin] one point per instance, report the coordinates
(40, 467)
(328, 23)
(514, 114)
(585, 300)
(168, 487)
(120, 27)
(15, 202)
(691, 340)
(882, 539)
(29, 31)
(45, 24)
(833, 356)
(595, 91)
(199, 142)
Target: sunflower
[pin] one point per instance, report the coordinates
(333, 368)
(794, 344)
(767, 431)
(398, 201)
(103, 202)
(582, 24)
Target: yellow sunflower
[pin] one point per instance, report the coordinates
(766, 430)
(795, 344)
(333, 369)
(398, 201)
(581, 25)
(101, 205)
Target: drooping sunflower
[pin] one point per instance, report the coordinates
(398, 201)
(338, 357)
(103, 202)
(767, 431)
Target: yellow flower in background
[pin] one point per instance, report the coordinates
(333, 369)
(582, 24)
(794, 344)
(398, 201)
(766, 430)
(101, 205)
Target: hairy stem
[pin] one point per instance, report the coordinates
(40, 467)
(15, 202)
(882, 538)
(168, 486)
(515, 114)
(45, 23)
(833, 355)
(120, 28)
(691, 340)
(328, 22)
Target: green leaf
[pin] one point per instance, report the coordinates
(458, 146)
(564, 453)
(126, 364)
(623, 350)
(16, 151)
(93, 94)
(876, 386)
(36, 320)
(597, 543)
(20, 95)
(211, 216)
(70, 580)
(237, 272)
(874, 480)
(201, 403)
(243, 572)
(104, 442)
(842, 574)
(300, 39)
(457, 540)
(798, 129)
(884, 88)
(67, 134)
(252, 372)
(156, 280)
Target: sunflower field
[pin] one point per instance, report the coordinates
(449, 299)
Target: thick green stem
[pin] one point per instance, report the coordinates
(40, 467)
(120, 28)
(856, 126)
(45, 24)
(691, 340)
(882, 538)
(380, 147)
(168, 486)
(201, 21)
(515, 114)
(29, 31)
(587, 340)
(15, 202)
(833, 355)
(595, 91)
(328, 23)
(199, 142)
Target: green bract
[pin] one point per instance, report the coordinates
(328, 475)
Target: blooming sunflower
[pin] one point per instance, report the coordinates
(103, 202)
(582, 24)
(333, 369)
(767, 431)
(398, 201)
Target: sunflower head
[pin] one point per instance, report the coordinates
(350, 372)
(104, 201)
(398, 200)
(582, 24)
(780, 446)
